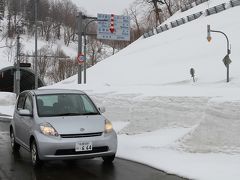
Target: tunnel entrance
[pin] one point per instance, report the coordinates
(27, 79)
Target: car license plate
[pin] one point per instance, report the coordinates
(83, 146)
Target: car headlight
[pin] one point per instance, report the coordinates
(108, 126)
(48, 130)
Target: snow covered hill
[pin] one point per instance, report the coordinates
(166, 58)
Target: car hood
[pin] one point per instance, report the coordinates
(77, 124)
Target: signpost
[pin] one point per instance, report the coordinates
(113, 27)
(110, 27)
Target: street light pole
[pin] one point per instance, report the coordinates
(85, 50)
(17, 69)
(85, 44)
(36, 61)
(80, 23)
(228, 45)
(228, 61)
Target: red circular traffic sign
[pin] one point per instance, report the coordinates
(80, 58)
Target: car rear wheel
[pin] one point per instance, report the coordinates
(15, 146)
(108, 159)
(34, 155)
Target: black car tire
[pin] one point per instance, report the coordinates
(108, 159)
(34, 155)
(15, 146)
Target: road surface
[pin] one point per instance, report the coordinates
(18, 167)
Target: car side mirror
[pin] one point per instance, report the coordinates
(102, 109)
(25, 112)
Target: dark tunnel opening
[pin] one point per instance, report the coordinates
(27, 80)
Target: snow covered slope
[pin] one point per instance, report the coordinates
(166, 58)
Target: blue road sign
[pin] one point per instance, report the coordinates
(121, 25)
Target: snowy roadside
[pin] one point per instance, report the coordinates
(193, 137)
(7, 102)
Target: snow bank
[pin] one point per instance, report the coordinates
(7, 99)
(219, 130)
(7, 102)
(146, 114)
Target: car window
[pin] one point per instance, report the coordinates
(21, 101)
(87, 104)
(65, 104)
(47, 100)
(28, 103)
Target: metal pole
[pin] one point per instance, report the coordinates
(17, 72)
(227, 73)
(80, 30)
(228, 45)
(228, 50)
(36, 61)
(85, 58)
(85, 45)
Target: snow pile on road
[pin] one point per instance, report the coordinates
(218, 131)
(7, 99)
(146, 114)
(7, 102)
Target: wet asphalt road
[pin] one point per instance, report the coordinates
(18, 167)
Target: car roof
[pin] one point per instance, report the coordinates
(55, 91)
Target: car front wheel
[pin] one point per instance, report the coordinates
(34, 155)
(108, 159)
(15, 146)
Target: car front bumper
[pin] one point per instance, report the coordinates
(50, 148)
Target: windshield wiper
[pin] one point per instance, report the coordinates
(90, 113)
(68, 114)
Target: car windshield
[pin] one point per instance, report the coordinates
(65, 105)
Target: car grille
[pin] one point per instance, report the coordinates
(81, 135)
(73, 152)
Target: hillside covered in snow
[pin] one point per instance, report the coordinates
(165, 59)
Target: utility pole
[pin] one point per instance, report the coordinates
(36, 55)
(80, 31)
(17, 69)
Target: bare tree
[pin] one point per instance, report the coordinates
(94, 50)
(69, 21)
(169, 5)
(134, 14)
(156, 9)
(44, 61)
(60, 69)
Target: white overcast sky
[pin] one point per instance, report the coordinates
(103, 6)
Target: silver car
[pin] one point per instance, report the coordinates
(61, 124)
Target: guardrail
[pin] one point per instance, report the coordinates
(207, 12)
(188, 6)
(200, 2)
(234, 3)
(194, 16)
(216, 9)
(162, 28)
(148, 34)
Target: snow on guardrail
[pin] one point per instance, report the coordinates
(181, 21)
